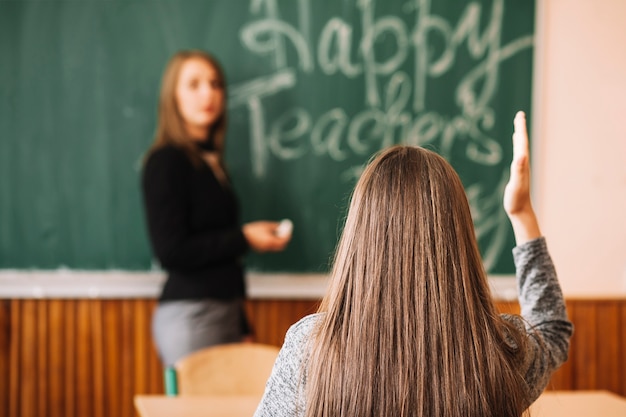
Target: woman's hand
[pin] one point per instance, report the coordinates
(517, 203)
(261, 236)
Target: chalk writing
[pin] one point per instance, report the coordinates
(395, 82)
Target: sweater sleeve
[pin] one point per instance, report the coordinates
(544, 314)
(165, 186)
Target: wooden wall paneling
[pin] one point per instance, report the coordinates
(301, 308)
(126, 382)
(97, 357)
(275, 318)
(254, 315)
(272, 322)
(112, 328)
(298, 310)
(16, 357)
(272, 318)
(142, 346)
(83, 362)
(70, 346)
(5, 352)
(90, 357)
(622, 338)
(258, 321)
(28, 371)
(155, 381)
(609, 355)
(155, 376)
(56, 358)
(583, 351)
(42, 363)
(139, 344)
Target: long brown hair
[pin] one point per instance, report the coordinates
(410, 328)
(170, 125)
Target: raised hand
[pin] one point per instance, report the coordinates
(517, 202)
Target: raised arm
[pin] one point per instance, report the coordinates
(540, 297)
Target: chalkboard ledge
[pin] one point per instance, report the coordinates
(75, 284)
(67, 283)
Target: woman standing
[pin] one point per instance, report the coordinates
(193, 216)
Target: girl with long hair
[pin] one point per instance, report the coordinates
(408, 326)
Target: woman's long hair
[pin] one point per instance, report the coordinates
(410, 328)
(171, 125)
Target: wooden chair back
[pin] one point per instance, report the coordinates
(231, 369)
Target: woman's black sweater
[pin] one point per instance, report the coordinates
(193, 224)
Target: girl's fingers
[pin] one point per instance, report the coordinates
(520, 136)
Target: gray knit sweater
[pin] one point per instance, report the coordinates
(544, 320)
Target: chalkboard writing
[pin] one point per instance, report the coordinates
(315, 88)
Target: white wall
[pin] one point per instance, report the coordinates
(580, 145)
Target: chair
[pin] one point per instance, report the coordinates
(231, 369)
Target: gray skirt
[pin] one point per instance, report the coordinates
(183, 327)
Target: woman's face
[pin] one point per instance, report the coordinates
(199, 96)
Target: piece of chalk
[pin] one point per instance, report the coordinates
(284, 228)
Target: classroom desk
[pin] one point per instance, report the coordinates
(226, 406)
(550, 404)
(579, 404)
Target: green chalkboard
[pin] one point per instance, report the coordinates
(315, 88)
